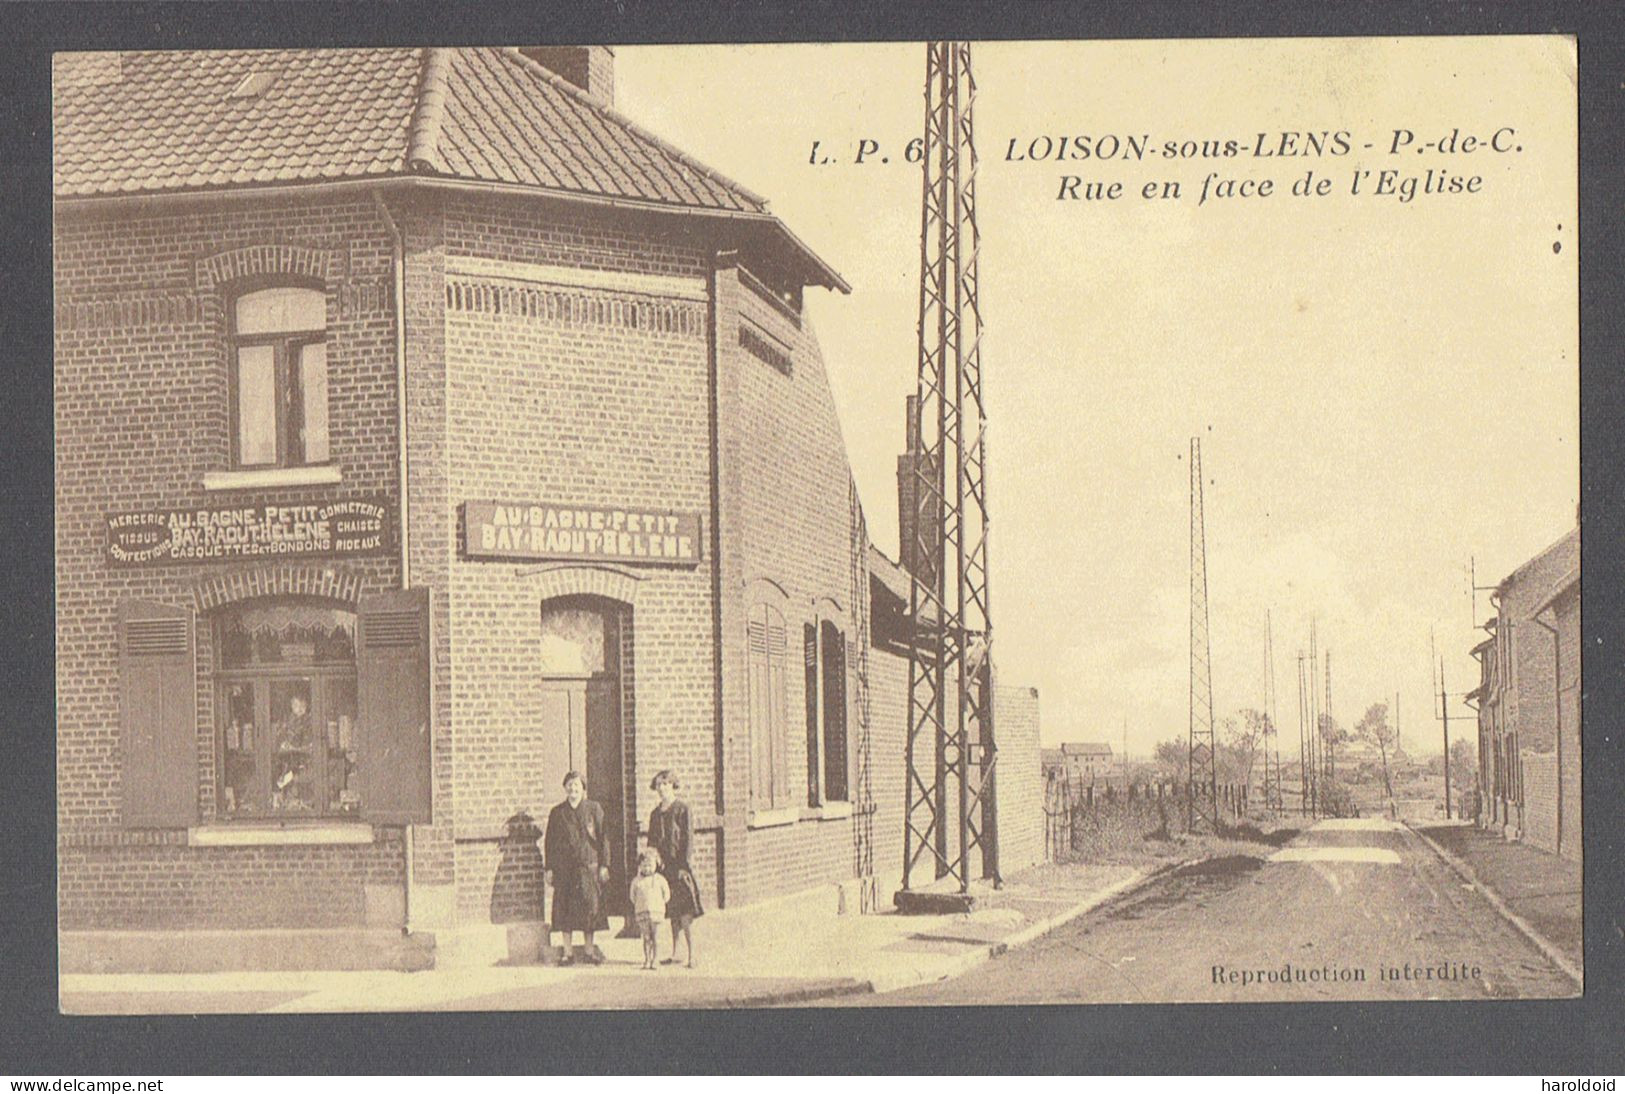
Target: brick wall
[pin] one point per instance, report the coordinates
(1568, 625)
(564, 385)
(141, 414)
(1540, 799)
(131, 886)
(1533, 703)
(577, 395)
(1020, 778)
(888, 689)
(794, 539)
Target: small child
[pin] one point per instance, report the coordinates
(649, 896)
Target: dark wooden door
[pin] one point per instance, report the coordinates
(581, 731)
(604, 781)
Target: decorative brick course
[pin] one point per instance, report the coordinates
(326, 582)
(268, 260)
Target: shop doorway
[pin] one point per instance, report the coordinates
(583, 721)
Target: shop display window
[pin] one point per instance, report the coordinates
(287, 684)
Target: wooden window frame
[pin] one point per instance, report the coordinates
(769, 719)
(837, 679)
(286, 347)
(321, 677)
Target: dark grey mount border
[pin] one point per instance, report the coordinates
(1554, 1038)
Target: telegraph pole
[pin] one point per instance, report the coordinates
(1316, 746)
(1304, 759)
(1272, 767)
(1444, 714)
(1331, 740)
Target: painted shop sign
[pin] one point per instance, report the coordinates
(354, 526)
(526, 531)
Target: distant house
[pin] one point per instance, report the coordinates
(1083, 761)
(1528, 700)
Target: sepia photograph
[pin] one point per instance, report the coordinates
(531, 523)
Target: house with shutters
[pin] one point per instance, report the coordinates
(427, 429)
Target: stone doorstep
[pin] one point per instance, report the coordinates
(201, 951)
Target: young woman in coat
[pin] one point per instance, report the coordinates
(670, 832)
(576, 854)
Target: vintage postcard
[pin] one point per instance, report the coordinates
(912, 523)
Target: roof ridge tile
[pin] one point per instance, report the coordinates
(428, 115)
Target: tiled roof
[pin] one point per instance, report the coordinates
(1086, 748)
(168, 121)
(161, 122)
(507, 119)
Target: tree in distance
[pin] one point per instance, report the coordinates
(1373, 727)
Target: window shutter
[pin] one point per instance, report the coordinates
(809, 649)
(760, 723)
(778, 737)
(158, 715)
(392, 685)
(834, 713)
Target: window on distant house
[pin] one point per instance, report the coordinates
(279, 378)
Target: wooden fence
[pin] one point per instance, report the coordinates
(1086, 821)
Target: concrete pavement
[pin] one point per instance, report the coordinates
(1539, 893)
(780, 953)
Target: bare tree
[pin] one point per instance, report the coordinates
(1244, 734)
(1373, 727)
(1173, 759)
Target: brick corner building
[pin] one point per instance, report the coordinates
(426, 429)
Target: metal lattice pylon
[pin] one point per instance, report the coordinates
(1202, 789)
(950, 813)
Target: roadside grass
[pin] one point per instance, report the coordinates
(1254, 837)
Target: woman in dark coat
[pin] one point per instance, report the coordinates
(670, 832)
(576, 852)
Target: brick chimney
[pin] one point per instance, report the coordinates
(912, 508)
(591, 68)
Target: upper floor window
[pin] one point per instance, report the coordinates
(279, 378)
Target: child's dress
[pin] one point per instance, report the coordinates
(649, 895)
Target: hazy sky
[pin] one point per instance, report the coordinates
(1383, 388)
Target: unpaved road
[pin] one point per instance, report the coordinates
(1337, 913)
